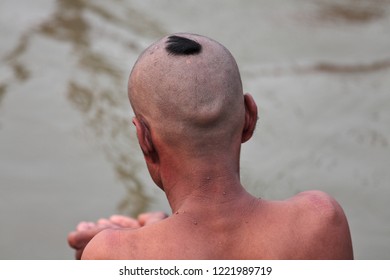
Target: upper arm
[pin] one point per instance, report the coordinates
(96, 247)
(328, 230)
(103, 246)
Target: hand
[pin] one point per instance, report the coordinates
(151, 218)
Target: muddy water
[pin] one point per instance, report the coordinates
(319, 71)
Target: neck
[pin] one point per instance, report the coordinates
(200, 183)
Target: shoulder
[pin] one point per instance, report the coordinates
(326, 226)
(108, 244)
(130, 244)
(318, 203)
(319, 208)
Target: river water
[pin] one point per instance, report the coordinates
(318, 69)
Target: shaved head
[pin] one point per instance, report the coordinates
(187, 89)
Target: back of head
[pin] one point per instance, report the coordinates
(188, 89)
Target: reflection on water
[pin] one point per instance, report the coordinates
(97, 88)
(3, 89)
(335, 68)
(99, 101)
(20, 72)
(323, 112)
(352, 11)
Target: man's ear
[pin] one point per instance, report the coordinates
(145, 139)
(250, 117)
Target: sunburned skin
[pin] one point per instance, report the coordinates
(191, 118)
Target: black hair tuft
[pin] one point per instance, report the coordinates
(177, 45)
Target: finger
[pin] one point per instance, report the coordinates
(79, 239)
(124, 221)
(78, 254)
(103, 222)
(84, 226)
(151, 217)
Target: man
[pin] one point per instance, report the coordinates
(191, 117)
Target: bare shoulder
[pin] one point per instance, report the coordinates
(320, 209)
(107, 244)
(325, 223)
(318, 203)
(130, 244)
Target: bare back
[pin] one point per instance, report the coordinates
(191, 118)
(310, 225)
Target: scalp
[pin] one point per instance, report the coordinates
(188, 94)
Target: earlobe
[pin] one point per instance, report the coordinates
(250, 117)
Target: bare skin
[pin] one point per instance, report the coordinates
(191, 119)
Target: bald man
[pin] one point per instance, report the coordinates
(191, 117)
